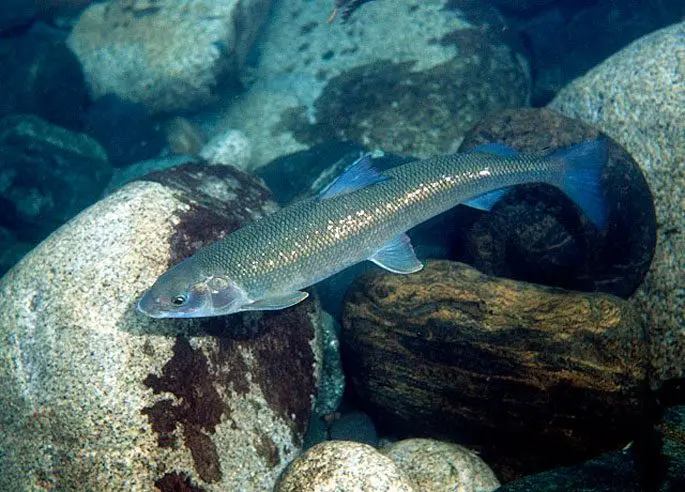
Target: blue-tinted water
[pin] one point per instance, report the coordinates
(534, 350)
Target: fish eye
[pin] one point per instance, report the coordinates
(179, 300)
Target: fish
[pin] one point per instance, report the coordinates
(362, 215)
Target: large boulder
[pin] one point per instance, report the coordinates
(537, 234)
(406, 76)
(535, 377)
(638, 98)
(167, 54)
(95, 395)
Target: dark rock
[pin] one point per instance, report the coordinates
(41, 76)
(570, 37)
(533, 376)
(294, 175)
(522, 5)
(48, 174)
(17, 13)
(611, 472)
(628, 470)
(672, 429)
(535, 233)
(11, 249)
(125, 129)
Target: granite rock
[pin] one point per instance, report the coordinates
(409, 77)
(534, 377)
(230, 147)
(334, 466)
(637, 97)
(438, 465)
(93, 393)
(167, 54)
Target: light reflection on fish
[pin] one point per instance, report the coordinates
(363, 215)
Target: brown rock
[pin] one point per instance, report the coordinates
(540, 376)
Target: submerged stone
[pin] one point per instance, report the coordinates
(408, 77)
(47, 175)
(438, 465)
(101, 394)
(534, 377)
(344, 465)
(644, 111)
(536, 234)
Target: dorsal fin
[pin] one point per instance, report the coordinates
(359, 175)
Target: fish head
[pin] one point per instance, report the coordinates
(185, 291)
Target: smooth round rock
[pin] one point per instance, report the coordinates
(94, 394)
(335, 466)
(534, 377)
(410, 78)
(637, 97)
(168, 54)
(439, 465)
(537, 234)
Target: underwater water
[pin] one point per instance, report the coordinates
(293, 245)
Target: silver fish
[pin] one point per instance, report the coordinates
(363, 215)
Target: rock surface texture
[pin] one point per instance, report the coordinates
(437, 465)
(537, 234)
(436, 67)
(47, 175)
(168, 54)
(530, 374)
(638, 98)
(93, 393)
(335, 466)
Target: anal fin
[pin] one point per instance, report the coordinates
(397, 256)
(487, 200)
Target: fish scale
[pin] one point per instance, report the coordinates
(313, 239)
(362, 215)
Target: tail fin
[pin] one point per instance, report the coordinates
(582, 178)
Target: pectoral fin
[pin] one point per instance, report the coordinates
(398, 256)
(273, 303)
